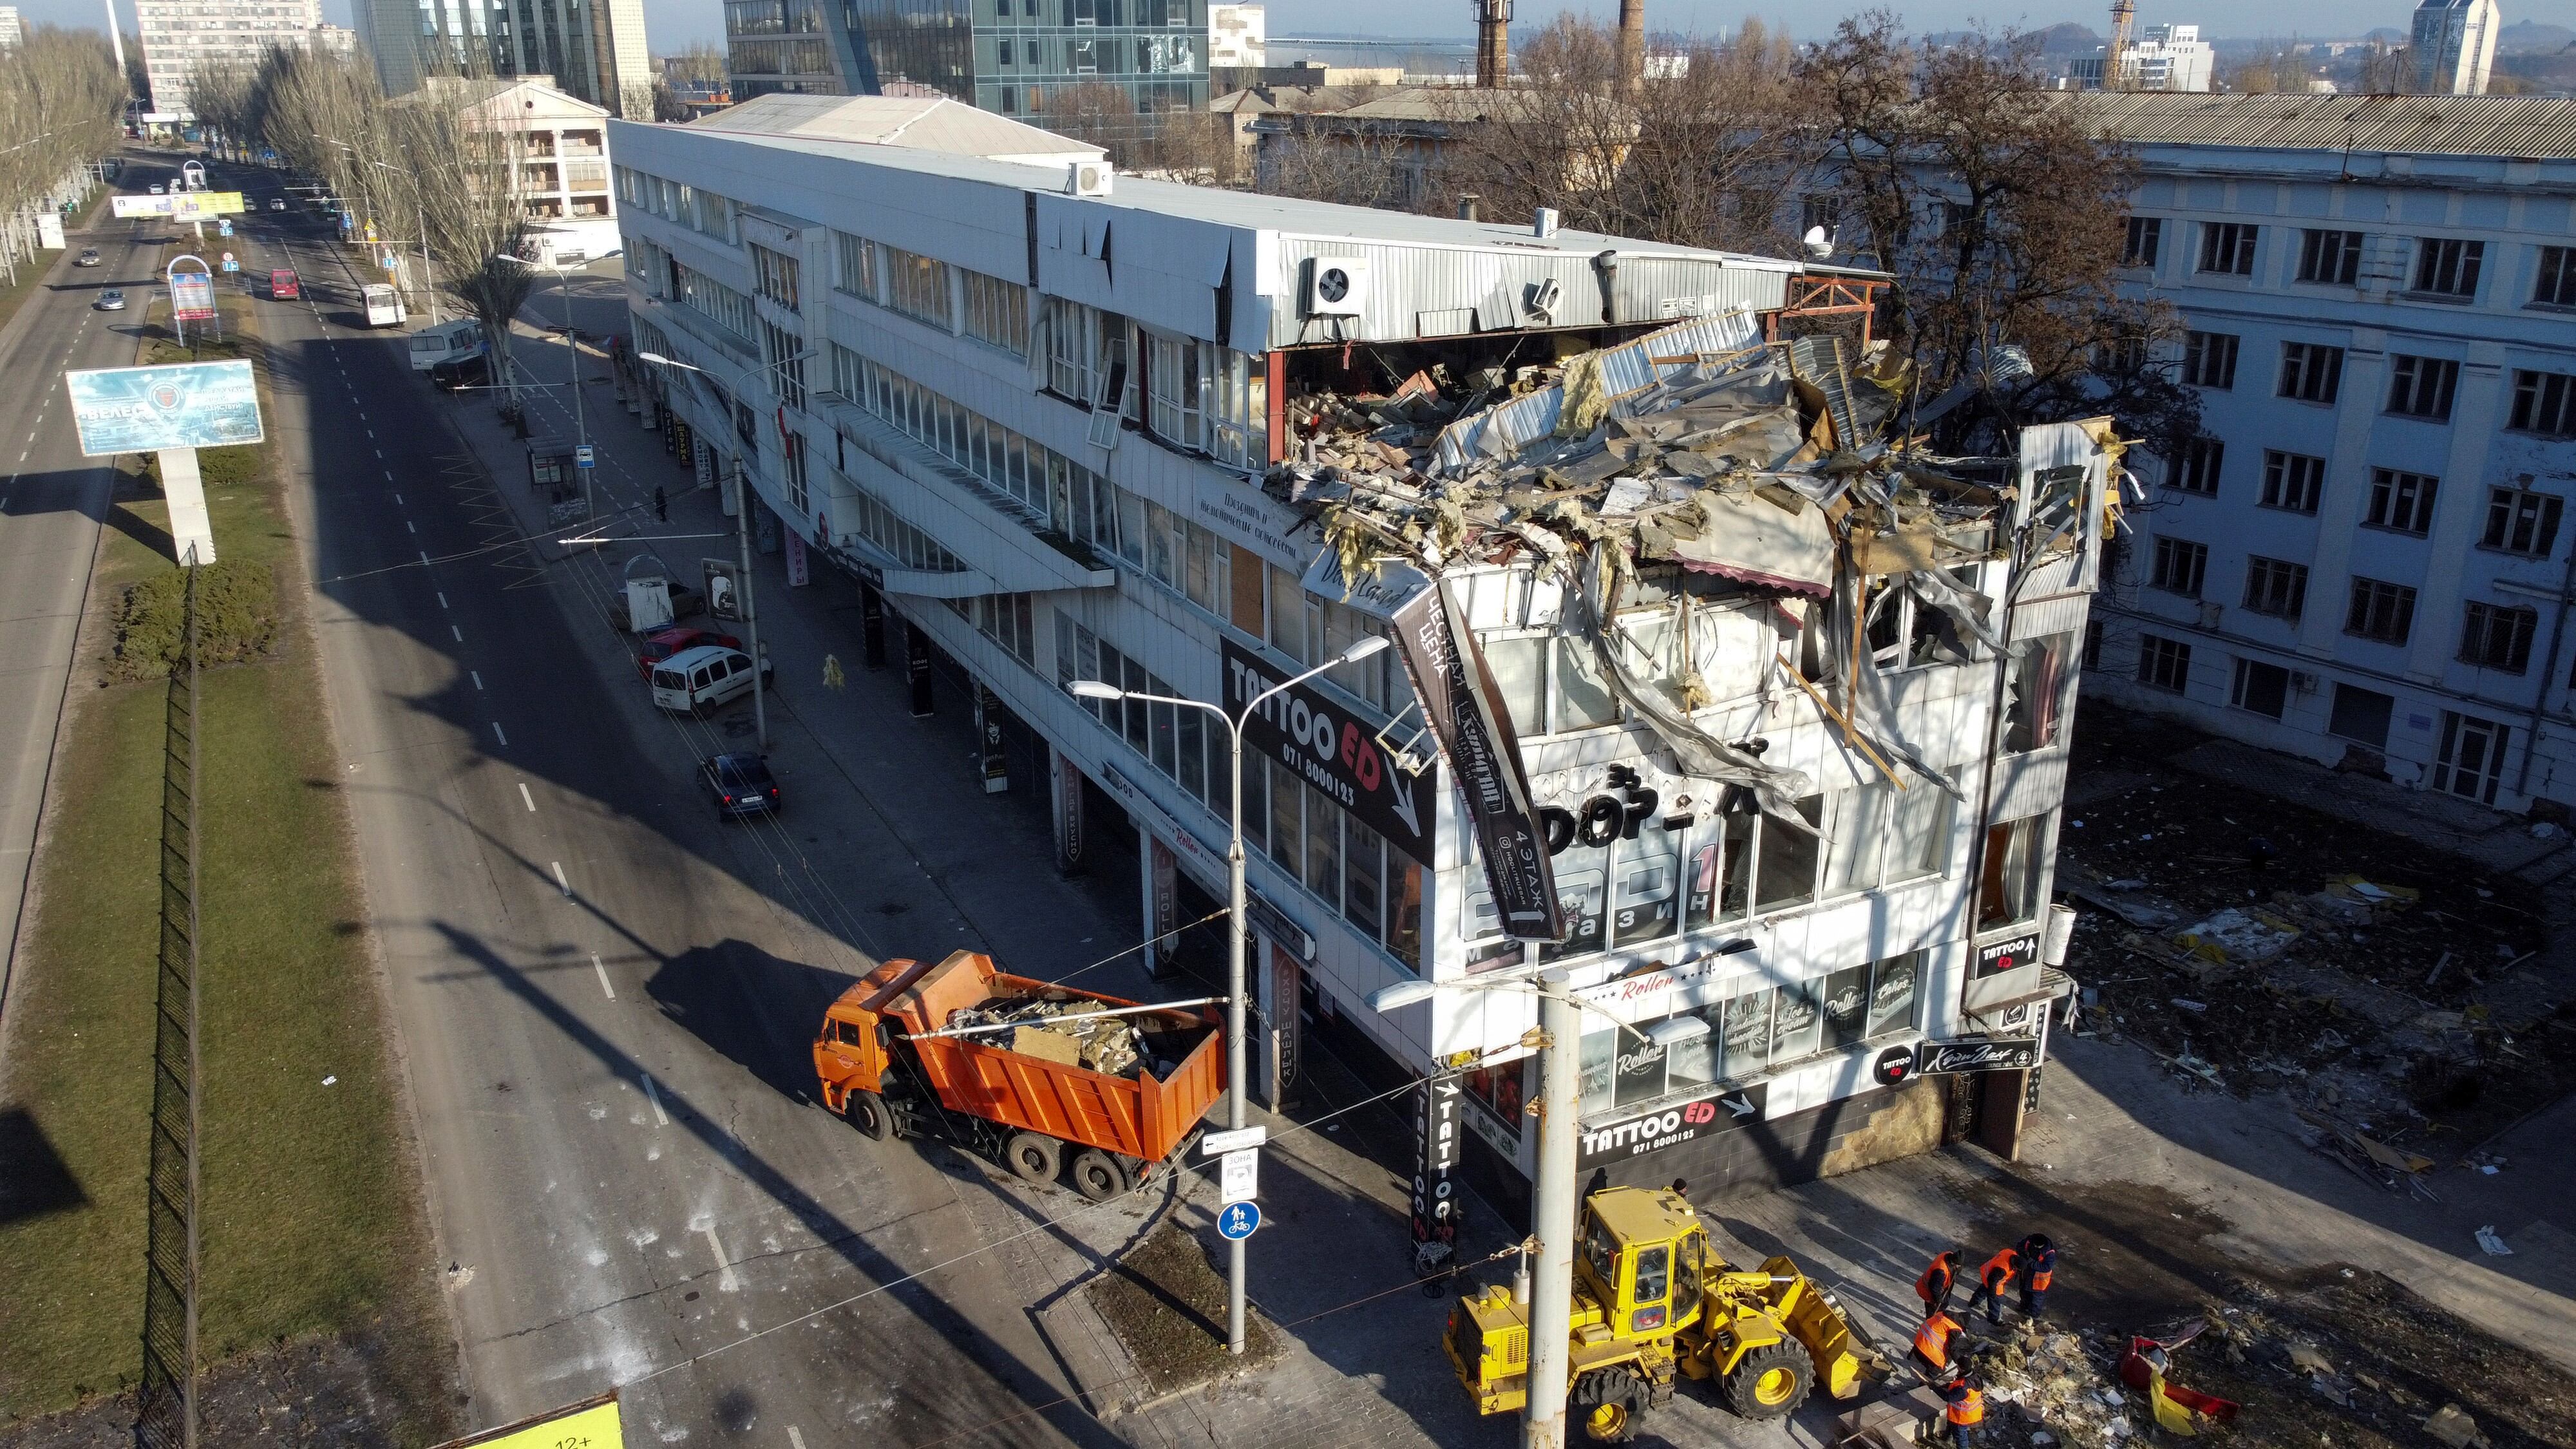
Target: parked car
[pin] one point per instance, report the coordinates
(277, 203)
(661, 646)
(284, 285)
(739, 785)
(87, 258)
(110, 300)
(459, 373)
(694, 681)
(684, 602)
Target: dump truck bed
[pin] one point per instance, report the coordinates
(1143, 1116)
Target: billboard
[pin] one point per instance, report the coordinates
(181, 206)
(192, 296)
(145, 409)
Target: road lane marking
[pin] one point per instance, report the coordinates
(726, 1282)
(604, 986)
(559, 875)
(794, 1439)
(478, 677)
(408, 526)
(459, 633)
(442, 597)
(524, 795)
(496, 731)
(398, 503)
(660, 1119)
(424, 556)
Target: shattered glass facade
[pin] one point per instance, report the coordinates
(1126, 61)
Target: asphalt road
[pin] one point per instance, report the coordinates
(52, 503)
(605, 998)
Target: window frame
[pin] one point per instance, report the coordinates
(2311, 372)
(2209, 359)
(2411, 377)
(2448, 268)
(2164, 663)
(2329, 257)
(2380, 611)
(2522, 522)
(2276, 588)
(2393, 490)
(2177, 559)
(2227, 248)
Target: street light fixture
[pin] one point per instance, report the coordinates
(1552, 1212)
(1237, 934)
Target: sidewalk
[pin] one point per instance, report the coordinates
(2159, 1197)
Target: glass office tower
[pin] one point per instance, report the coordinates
(1015, 57)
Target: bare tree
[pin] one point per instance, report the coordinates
(2004, 220)
(60, 102)
(2386, 70)
(1355, 161)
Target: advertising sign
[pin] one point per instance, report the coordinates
(1722, 1110)
(1334, 750)
(723, 602)
(145, 409)
(49, 230)
(1068, 814)
(1997, 957)
(180, 205)
(800, 568)
(192, 296)
(1468, 717)
(1435, 1164)
(988, 732)
(592, 1424)
(1977, 1054)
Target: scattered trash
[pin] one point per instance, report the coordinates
(2237, 936)
(2492, 1245)
(2454, 1427)
(2187, 1004)
(328, 1081)
(1072, 1033)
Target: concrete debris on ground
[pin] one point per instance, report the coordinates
(1777, 470)
(2049, 1386)
(1071, 1033)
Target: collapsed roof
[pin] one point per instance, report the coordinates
(1778, 470)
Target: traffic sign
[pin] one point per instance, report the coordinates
(223, 228)
(1237, 1221)
(1235, 1141)
(1239, 1176)
(581, 457)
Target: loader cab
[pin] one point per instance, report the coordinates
(1644, 1261)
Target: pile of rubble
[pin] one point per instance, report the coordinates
(2055, 1387)
(1069, 1033)
(1714, 462)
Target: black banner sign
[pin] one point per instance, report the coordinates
(1730, 1110)
(1334, 750)
(1977, 1054)
(1436, 1126)
(1998, 957)
(1474, 728)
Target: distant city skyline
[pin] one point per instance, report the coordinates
(674, 25)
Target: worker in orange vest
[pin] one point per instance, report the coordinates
(1935, 1342)
(1937, 1282)
(1992, 1279)
(1964, 1407)
(2038, 1266)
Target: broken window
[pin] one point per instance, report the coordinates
(2008, 884)
(1518, 669)
(2039, 680)
(1785, 869)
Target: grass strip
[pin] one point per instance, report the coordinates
(312, 1222)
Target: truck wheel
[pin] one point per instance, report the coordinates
(1609, 1403)
(867, 1112)
(1098, 1176)
(1033, 1157)
(1770, 1381)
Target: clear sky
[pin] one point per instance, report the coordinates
(673, 24)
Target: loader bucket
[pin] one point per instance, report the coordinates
(1816, 1323)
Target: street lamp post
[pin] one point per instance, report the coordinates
(1553, 1210)
(742, 530)
(1237, 928)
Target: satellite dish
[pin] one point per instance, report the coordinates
(1819, 245)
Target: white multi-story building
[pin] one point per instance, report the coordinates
(2166, 58)
(11, 33)
(178, 36)
(1030, 411)
(2366, 560)
(2453, 46)
(594, 50)
(564, 169)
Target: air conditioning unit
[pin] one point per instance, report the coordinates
(1336, 286)
(2302, 681)
(1089, 178)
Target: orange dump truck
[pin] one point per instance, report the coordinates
(1033, 1073)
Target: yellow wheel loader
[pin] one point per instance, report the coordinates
(1653, 1299)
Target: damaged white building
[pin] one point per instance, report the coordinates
(1785, 701)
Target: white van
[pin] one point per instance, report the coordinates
(695, 680)
(446, 342)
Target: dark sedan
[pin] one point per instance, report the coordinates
(739, 784)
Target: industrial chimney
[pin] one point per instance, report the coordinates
(1493, 43)
(1632, 42)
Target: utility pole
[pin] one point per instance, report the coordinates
(742, 586)
(1552, 1212)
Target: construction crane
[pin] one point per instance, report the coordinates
(2115, 59)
